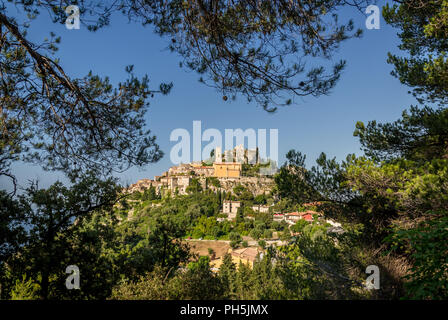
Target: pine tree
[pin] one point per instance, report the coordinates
(227, 272)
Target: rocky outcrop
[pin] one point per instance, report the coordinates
(256, 185)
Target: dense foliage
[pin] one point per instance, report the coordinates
(391, 203)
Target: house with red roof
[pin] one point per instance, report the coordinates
(293, 217)
(307, 217)
(278, 217)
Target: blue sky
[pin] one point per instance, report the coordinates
(365, 92)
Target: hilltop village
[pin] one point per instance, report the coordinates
(235, 168)
(248, 213)
(221, 172)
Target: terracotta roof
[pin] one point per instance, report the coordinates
(308, 217)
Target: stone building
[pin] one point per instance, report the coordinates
(140, 186)
(237, 154)
(218, 155)
(206, 171)
(252, 156)
(229, 175)
(179, 184)
(182, 169)
(227, 169)
(230, 208)
(246, 256)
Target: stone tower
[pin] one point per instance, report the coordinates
(218, 155)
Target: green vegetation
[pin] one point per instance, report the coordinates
(253, 170)
(292, 276)
(392, 201)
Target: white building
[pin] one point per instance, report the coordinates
(261, 208)
(230, 208)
